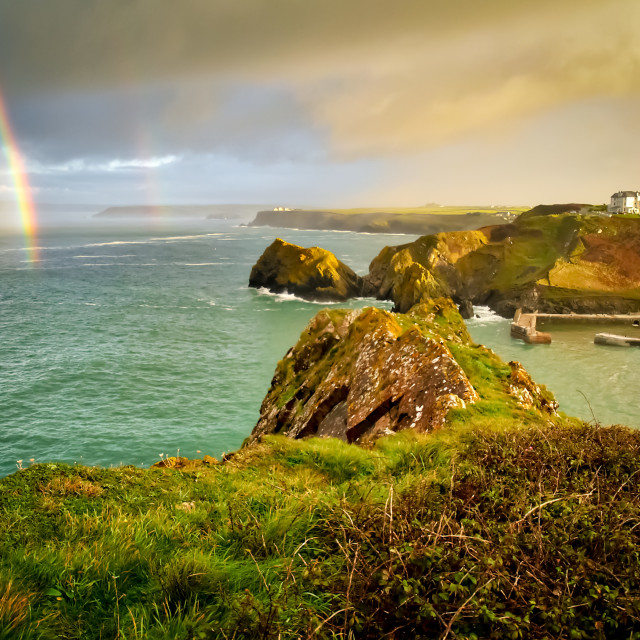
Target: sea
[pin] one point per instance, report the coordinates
(129, 341)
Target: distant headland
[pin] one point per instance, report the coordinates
(429, 219)
(204, 211)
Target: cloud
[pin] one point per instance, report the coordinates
(364, 76)
(79, 165)
(410, 101)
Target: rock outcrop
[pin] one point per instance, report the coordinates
(527, 392)
(426, 268)
(313, 274)
(544, 261)
(357, 373)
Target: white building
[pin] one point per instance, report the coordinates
(625, 202)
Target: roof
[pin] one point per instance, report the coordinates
(626, 194)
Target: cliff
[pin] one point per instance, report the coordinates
(506, 521)
(314, 273)
(550, 262)
(471, 508)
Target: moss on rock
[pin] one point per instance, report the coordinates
(358, 374)
(313, 273)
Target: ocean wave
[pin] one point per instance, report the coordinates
(189, 237)
(124, 255)
(13, 249)
(285, 296)
(484, 315)
(119, 264)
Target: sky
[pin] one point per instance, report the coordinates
(340, 103)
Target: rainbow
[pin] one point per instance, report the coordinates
(18, 172)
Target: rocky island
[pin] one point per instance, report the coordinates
(314, 273)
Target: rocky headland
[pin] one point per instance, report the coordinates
(378, 221)
(358, 374)
(554, 263)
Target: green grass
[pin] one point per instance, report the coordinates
(504, 530)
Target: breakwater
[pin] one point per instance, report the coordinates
(524, 325)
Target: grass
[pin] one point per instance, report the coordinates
(426, 210)
(497, 530)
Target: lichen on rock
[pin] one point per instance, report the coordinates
(426, 268)
(355, 374)
(527, 393)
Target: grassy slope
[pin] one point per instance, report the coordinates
(526, 532)
(567, 257)
(505, 523)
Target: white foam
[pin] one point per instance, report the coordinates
(484, 315)
(285, 296)
(116, 242)
(124, 255)
(119, 264)
(191, 237)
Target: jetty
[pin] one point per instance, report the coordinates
(524, 328)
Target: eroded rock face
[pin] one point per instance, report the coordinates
(527, 392)
(313, 274)
(426, 268)
(355, 374)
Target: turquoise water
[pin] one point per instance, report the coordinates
(597, 383)
(127, 342)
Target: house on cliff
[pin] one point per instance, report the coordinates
(625, 202)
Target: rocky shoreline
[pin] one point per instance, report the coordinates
(471, 508)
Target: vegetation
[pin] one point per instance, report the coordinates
(428, 209)
(409, 220)
(503, 531)
(557, 262)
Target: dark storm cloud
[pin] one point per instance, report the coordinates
(94, 85)
(379, 77)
